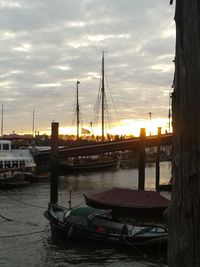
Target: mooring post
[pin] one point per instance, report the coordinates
(141, 162)
(54, 160)
(158, 160)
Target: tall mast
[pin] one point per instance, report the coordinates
(77, 110)
(33, 125)
(2, 121)
(103, 96)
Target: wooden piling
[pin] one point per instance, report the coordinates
(158, 160)
(54, 159)
(141, 162)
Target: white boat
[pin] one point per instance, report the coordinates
(15, 158)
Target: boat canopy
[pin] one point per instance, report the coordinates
(128, 200)
(83, 212)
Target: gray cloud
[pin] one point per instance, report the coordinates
(47, 45)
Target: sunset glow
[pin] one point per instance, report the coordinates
(126, 127)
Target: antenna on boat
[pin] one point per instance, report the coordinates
(70, 198)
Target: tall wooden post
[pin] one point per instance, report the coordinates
(158, 160)
(141, 162)
(54, 156)
(184, 211)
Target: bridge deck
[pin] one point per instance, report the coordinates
(99, 148)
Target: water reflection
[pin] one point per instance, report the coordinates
(124, 178)
(62, 254)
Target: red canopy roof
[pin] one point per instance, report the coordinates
(129, 198)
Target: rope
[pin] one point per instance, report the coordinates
(11, 220)
(25, 203)
(97, 106)
(5, 218)
(28, 204)
(107, 115)
(24, 234)
(73, 112)
(112, 100)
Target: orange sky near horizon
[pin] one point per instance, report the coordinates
(126, 127)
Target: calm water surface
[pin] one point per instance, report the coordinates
(25, 237)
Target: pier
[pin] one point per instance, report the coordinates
(111, 146)
(43, 158)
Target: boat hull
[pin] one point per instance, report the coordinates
(72, 233)
(12, 179)
(92, 167)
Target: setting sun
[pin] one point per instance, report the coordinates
(125, 127)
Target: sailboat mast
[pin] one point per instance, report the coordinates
(103, 98)
(169, 114)
(77, 110)
(33, 125)
(2, 121)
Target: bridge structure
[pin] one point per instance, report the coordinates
(105, 147)
(139, 144)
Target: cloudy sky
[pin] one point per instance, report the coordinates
(46, 46)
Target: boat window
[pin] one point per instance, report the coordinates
(0, 146)
(159, 229)
(7, 164)
(67, 213)
(106, 214)
(15, 163)
(1, 164)
(77, 220)
(5, 146)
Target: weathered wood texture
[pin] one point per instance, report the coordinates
(184, 212)
(141, 163)
(158, 160)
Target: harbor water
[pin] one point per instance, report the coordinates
(25, 236)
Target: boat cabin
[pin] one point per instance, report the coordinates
(14, 158)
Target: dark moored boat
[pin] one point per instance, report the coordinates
(97, 225)
(131, 203)
(89, 165)
(12, 178)
(100, 225)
